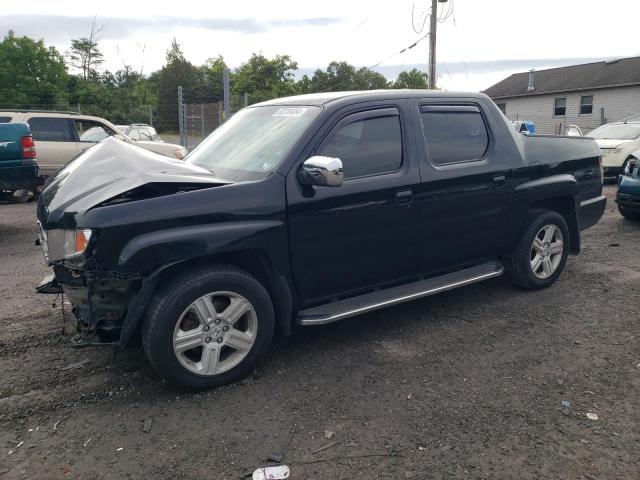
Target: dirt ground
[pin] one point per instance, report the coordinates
(468, 384)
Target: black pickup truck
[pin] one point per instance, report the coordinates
(307, 210)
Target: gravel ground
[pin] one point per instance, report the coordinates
(468, 384)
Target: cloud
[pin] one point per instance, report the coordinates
(61, 28)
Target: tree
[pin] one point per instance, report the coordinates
(31, 75)
(84, 53)
(213, 71)
(342, 76)
(263, 78)
(411, 79)
(178, 71)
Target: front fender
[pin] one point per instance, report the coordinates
(149, 251)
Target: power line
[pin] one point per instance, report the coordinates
(424, 21)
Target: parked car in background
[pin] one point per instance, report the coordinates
(18, 166)
(574, 131)
(628, 196)
(61, 136)
(140, 131)
(618, 141)
(308, 209)
(524, 126)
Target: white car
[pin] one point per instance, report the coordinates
(140, 131)
(61, 136)
(618, 143)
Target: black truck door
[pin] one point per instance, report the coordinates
(363, 233)
(463, 197)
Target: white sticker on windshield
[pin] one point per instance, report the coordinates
(289, 112)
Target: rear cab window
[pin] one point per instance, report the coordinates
(454, 133)
(367, 143)
(51, 129)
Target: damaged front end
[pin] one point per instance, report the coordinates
(100, 300)
(107, 302)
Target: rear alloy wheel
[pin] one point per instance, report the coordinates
(546, 251)
(539, 257)
(208, 327)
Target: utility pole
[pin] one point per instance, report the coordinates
(433, 24)
(181, 117)
(225, 84)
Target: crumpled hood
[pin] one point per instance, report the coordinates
(113, 168)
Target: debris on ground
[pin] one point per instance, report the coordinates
(329, 434)
(325, 447)
(79, 364)
(16, 447)
(87, 442)
(275, 457)
(119, 449)
(55, 425)
(592, 416)
(271, 473)
(566, 407)
(146, 425)
(408, 474)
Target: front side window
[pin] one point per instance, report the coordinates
(92, 132)
(586, 104)
(369, 146)
(251, 144)
(50, 129)
(454, 134)
(560, 107)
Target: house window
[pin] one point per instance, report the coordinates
(502, 107)
(586, 104)
(560, 107)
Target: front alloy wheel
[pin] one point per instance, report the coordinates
(208, 326)
(215, 333)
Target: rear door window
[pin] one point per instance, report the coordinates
(51, 129)
(454, 133)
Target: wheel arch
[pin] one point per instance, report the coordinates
(254, 261)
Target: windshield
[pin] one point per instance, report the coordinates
(253, 142)
(617, 131)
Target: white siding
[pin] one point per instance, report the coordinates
(617, 103)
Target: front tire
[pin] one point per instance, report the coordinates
(629, 214)
(539, 257)
(208, 327)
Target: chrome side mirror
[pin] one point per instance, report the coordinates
(322, 171)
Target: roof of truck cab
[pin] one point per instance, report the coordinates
(365, 95)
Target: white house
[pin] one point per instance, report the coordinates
(586, 95)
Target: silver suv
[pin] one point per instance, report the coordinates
(61, 136)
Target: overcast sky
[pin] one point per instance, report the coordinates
(481, 43)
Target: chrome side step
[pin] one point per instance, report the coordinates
(332, 312)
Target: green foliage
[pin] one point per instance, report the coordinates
(35, 76)
(31, 75)
(411, 79)
(342, 76)
(264, 78)
(85, 56)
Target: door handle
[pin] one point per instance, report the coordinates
(499, 181)
(403, 197)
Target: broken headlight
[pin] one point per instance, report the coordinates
(67, 244)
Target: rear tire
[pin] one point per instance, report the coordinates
(208, 327)
(538, 258)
